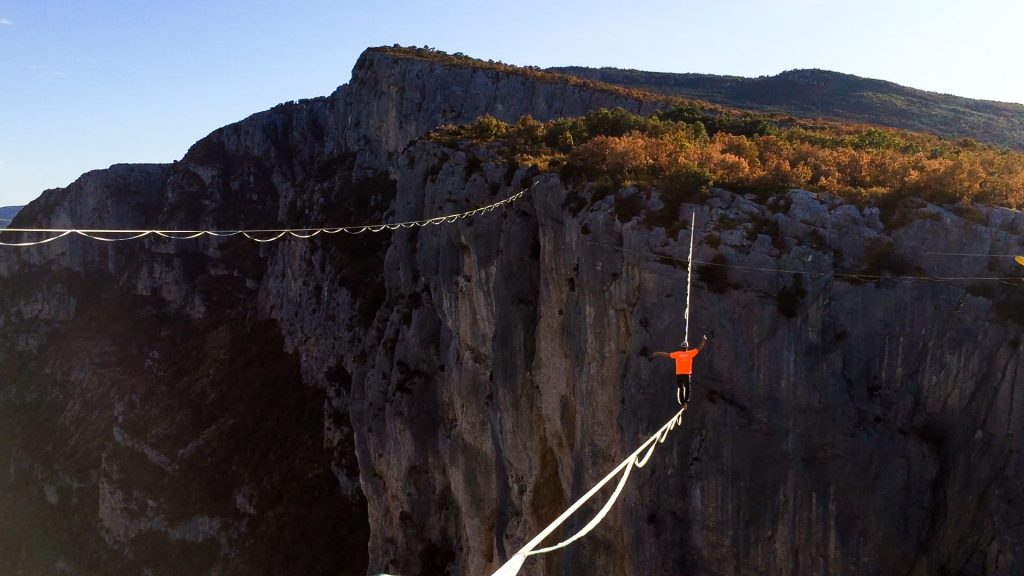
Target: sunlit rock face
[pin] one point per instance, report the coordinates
(425, 401)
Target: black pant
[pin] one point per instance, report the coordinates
(683, 388)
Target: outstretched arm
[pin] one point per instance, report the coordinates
(665, 354)
(702, 343)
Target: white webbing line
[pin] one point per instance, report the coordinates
(512, 566)
(20, 244)
(276, 233)
(689, 277)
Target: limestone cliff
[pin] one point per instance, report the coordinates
(841, 425)
(424, 401)
(184, 407)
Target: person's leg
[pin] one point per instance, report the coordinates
(682, 389)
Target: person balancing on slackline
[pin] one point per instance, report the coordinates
(684, 368)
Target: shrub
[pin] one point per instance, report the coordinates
(487, 127)
(715, 275)
(613, 122)
(882, 260)
(629, 205)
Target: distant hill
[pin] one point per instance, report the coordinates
(7, 214)
(835, 96)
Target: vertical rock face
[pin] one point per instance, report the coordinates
(425, 401)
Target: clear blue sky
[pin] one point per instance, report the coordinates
(86, 84)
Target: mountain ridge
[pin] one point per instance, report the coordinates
(836, 96)
(7, 214)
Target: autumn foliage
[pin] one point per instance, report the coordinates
(688, 151)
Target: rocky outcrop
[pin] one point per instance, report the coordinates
(424, 401)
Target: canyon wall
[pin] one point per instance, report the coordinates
(424, 401)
